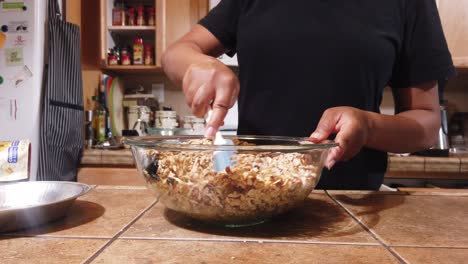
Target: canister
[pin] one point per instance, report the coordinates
(134, 112)
(194, 123)
(166, 119)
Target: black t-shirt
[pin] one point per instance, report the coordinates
(300, 57)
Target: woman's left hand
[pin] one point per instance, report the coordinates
(351, 126)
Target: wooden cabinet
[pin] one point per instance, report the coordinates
(454, 17)
(173, 19)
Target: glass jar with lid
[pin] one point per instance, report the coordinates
(136, 112)
(195, 124)
(166, 119)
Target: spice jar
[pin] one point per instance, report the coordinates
(131, 16)
(151, 16)
(118, 15)
(148, 55)
(112, 59)
(124, 51)
(138, 51)
(126, 59)
(140, 16)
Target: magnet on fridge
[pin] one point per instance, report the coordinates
(18, 26)
(4, 28)
(14, 56)
(1, 80)
(19, 41)
(3, 38)
(21, 76)
(12, 6)
(25, 8)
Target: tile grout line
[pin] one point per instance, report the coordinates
(117, 235)
(272, 241)
(54, 236)
(370, 231)
(431, 247)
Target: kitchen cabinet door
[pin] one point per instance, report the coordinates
(454, 17)
(179, 17)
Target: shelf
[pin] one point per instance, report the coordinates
(132, 69)
(461, 63)
(118, 29)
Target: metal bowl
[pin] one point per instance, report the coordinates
(28, 204)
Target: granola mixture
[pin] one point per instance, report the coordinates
(258, 185)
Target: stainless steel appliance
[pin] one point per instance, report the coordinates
(443, 138)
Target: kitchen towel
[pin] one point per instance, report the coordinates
(61, 133)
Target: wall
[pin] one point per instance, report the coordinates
(456, 93)
(174, 96)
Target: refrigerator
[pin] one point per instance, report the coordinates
(22, 50)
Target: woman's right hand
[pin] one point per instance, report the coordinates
(210, 84)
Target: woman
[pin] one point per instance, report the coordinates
(318, 69)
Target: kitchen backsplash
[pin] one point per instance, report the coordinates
(456, 93)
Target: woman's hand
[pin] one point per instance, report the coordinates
(210, 84)
(352, 128)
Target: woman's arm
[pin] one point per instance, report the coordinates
(206, 82)
(414, 126)
(199, 45)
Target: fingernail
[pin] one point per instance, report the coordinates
(331, 163)
(316, 135)
(210, 132)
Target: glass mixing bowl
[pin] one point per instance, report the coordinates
(260, 176)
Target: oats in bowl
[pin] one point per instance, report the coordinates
(266, 178)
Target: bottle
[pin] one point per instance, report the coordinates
(112, 59)
(125, 57)
(89, 131)
(118, 15)
(148, 55)
(99, 120)
(131, 16)
(138, 51)
(140, 16)
(151, 15)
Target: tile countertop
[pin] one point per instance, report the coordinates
(410, 166)
(127, 225)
